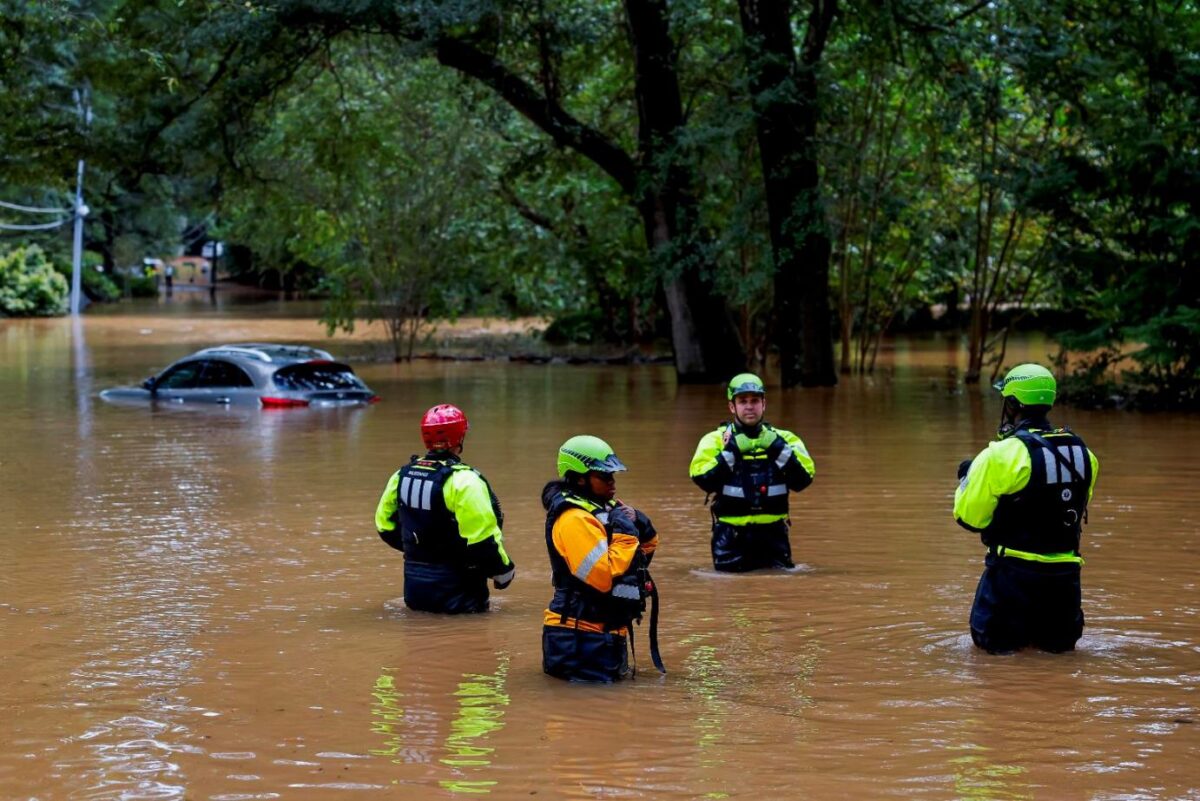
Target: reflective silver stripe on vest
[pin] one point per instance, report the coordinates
(777, 489)
(602, 517)
(416, 493)
(728, 457)
(590, 560)
(1058, 473)
(784, 455)
(627, 591)
(731, 491)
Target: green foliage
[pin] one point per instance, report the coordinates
(994, 156)
(30, 286)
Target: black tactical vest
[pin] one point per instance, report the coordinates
(757, 487)
(1046, 516)
(429, 530)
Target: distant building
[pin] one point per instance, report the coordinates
(191, 270)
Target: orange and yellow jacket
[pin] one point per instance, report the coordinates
(591, 546)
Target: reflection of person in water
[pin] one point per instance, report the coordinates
(410, 721)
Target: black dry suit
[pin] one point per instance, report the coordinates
(581, 639)
(442, 573)
(1029, 593)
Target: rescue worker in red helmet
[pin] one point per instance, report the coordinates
(599, 551)
(444, 517)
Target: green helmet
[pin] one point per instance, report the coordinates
(583, 453)
(745, 384)
(1030, 384)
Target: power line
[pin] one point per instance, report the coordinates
(41, 227)
(31, 209)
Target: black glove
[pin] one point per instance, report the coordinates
(731, 453)
(645, 528)
(623, 520)
(963, 467)
(776, 447)
(504, 579)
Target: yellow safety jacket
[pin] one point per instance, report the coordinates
(1027, 494)
(751, 485)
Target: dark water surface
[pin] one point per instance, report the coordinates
(194, 604)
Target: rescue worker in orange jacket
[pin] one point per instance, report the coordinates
(599, 551)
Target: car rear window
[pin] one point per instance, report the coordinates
(317, 376)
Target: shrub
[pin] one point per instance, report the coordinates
(98, 286)
(30, 286)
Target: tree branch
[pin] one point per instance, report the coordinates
(543, 112)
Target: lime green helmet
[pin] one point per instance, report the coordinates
(1030, 384)
(745, 384)
(585, 453)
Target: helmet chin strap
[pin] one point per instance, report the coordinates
(1008, 417)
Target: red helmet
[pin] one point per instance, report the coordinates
(444, 427)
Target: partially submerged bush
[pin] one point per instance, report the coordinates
(1166, 359)
(30, 286)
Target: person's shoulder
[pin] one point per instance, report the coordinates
(715, 434)
(1008, 453)
(463, 478)
(573, 517)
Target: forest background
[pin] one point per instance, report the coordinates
(746, 179)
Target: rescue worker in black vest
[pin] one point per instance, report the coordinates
(445, 518)
(1026, 494)
(599, 549)
(750, 466)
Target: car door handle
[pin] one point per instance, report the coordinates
(221, 399)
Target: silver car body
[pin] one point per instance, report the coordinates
(253, 373)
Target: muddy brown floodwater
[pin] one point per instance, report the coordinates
(194, 603)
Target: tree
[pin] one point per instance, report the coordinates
(787, 112)
(544, 47)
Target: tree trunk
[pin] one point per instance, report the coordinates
(706, 344)
(786, 111)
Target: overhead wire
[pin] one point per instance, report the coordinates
(40, 227)
(32, 209)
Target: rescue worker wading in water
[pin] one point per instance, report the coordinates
(1027, 496)
(599, 551)
(750, 466)
(445, 518)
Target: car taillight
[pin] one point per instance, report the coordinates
(282, 403)
(374, 399)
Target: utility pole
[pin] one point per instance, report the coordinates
(85, 113)
(77, 252)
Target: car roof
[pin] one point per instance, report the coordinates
(265, 353)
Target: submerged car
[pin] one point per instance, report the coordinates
(272, 376)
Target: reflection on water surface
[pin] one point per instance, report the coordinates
(195, 603)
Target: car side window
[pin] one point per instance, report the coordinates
(220, 374)
(181, 376)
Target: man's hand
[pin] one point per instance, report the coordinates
(775, 443)
(502, 581)
(731, 452)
